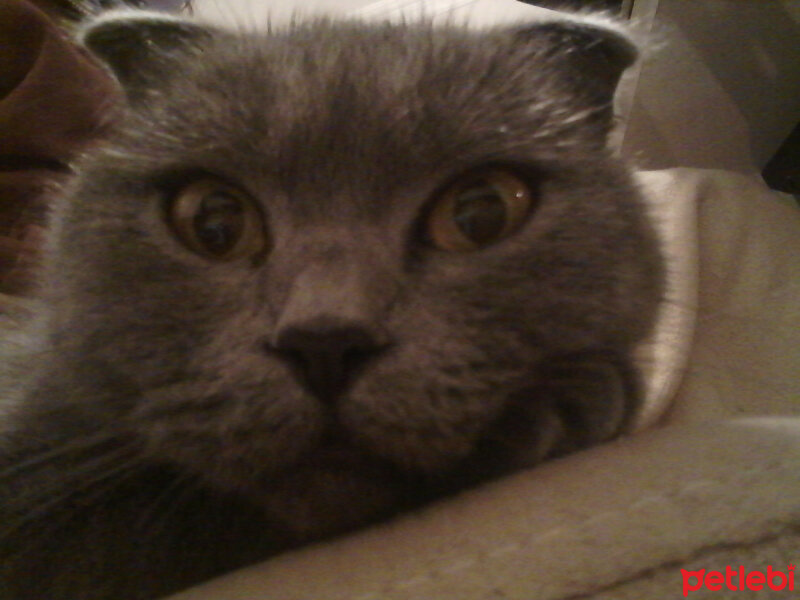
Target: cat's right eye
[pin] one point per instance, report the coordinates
(217, 221)
(479, 209)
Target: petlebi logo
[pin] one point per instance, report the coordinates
(739, 580)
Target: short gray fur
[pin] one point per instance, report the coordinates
(152, 439)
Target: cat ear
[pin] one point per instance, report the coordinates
(141, 46)
(590, 52)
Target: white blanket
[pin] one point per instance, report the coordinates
(710, 479)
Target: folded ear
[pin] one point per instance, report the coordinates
(141, 46)
(591, 54)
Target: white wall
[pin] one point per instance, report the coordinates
(723, 91)
(252, 12)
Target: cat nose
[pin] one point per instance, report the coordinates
(327, 353)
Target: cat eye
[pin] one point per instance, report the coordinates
(217, 221)
(479, 209)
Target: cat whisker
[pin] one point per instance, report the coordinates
(63, 450)
(85, 486)
(173, 496)
(76, 474)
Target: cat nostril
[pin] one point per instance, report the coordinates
(327, 355)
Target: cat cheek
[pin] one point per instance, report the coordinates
(414, 425)
(229, 437)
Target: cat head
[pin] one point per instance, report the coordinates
(316, 262)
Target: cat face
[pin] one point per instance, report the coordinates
(323, 265)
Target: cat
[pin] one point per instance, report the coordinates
(314, 277)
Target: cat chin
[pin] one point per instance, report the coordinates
(331, 490)
(337, 487)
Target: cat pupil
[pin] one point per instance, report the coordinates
(219, 222)
(480, 213)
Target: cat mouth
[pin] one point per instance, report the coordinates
(335, 452)
(333, 487)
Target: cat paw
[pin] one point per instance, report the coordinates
(578, 401)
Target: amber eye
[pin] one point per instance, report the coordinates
(479, 209)
(217, 221)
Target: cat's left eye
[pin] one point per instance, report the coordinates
(217, 221)
(479, 209)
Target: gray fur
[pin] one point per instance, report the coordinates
(159, 440)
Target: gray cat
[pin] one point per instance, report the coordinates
(315, 277)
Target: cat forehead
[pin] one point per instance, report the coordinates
(324, 96)
(350, 66)
(391, 89)
(141, 48)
